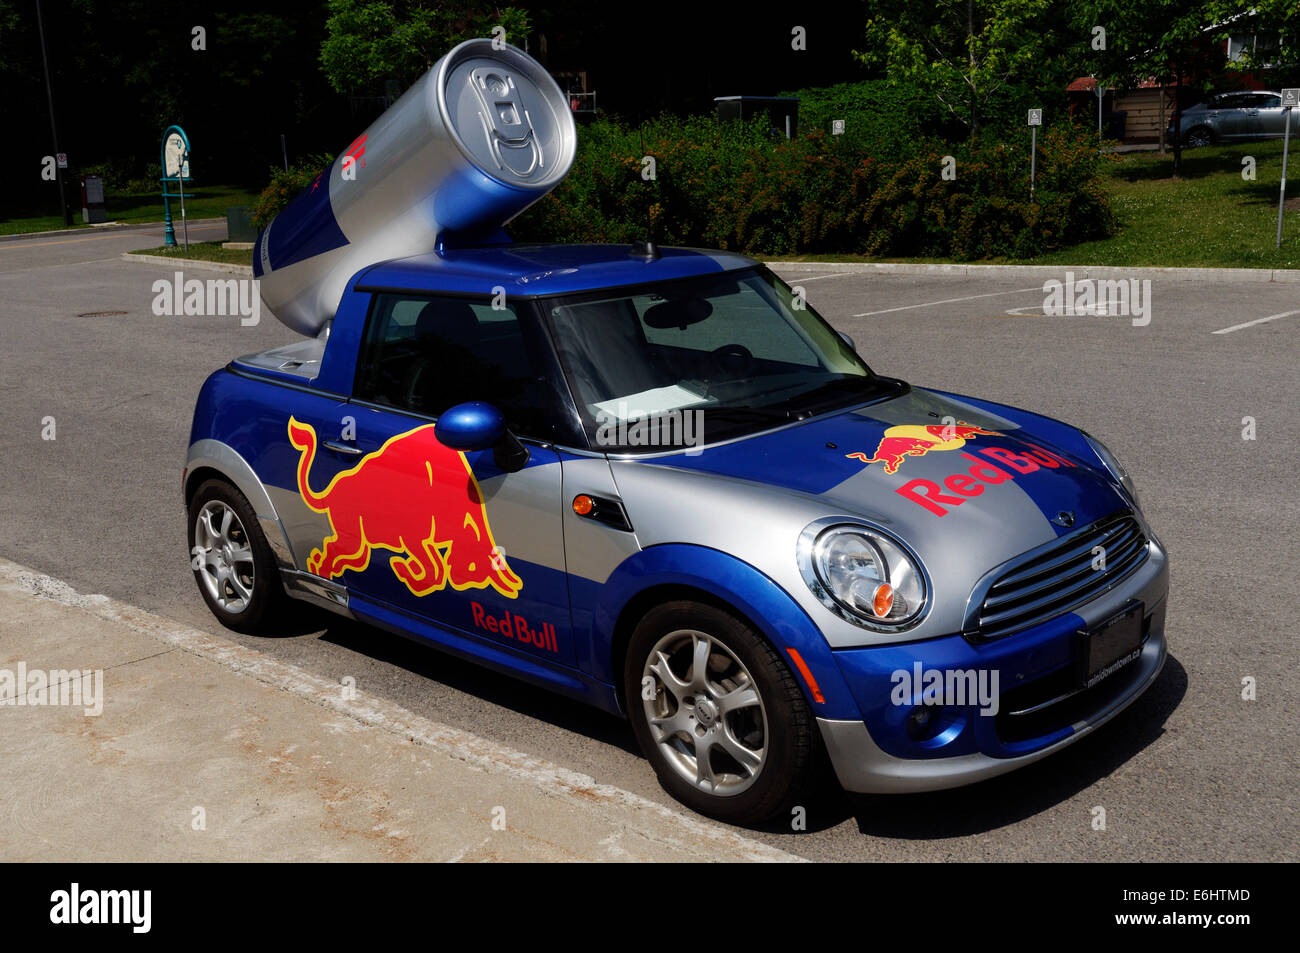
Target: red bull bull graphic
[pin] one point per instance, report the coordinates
(414, 497)
(914, 440)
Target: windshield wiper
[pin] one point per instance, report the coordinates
(825, 396)
(741, 412)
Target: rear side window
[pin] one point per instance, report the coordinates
(426, 354)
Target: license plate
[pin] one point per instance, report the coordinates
(1111, 645)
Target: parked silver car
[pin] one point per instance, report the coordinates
(1233, 117)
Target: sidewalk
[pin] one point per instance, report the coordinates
(280, 764)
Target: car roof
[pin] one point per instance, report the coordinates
(532, 270)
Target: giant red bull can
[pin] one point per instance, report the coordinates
(480, 137)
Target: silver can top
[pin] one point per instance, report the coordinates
(506, 114)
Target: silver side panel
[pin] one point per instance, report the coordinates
(594, 549)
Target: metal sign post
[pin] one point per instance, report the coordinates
(1290, 100)
(176, 168)
(180, 182)
(1035, 120)
(1101, 94)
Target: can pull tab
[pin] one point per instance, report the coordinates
(506, 123)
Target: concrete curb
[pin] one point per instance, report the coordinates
(678, 832)
(1243, 275)
(198, 264)
(92, 229)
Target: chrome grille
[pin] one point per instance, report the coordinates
(1057, 577)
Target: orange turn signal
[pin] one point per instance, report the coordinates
(883, 601)
(583, 504)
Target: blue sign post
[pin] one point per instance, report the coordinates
(176, 170)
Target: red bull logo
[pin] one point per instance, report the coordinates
(414, 497)
(912, 440)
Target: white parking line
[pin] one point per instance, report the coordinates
(1251, 324)
(930, 304)
(838, 274)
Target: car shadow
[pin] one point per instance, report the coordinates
(958, 812)
(1009, 798)
(497, 688)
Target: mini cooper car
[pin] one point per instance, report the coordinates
(656, 481)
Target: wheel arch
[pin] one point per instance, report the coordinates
(680, 571)
(212, 459)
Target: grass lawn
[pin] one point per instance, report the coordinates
(207, 202)
(207, 251)
(1208, 218)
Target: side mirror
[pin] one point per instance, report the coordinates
(479, 426)
(849, 341)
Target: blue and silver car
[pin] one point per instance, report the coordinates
(655, 480)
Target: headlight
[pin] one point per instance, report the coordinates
(862, 575)
(1114, 466)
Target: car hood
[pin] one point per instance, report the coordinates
(999, 483)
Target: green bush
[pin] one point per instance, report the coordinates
(882, 116)
(730, 186)
(285, 186)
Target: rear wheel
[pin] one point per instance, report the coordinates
(718, 714)
(1200, 137)
(232, 562)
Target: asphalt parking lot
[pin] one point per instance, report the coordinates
(1191, 772)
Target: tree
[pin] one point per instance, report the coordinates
(962, 52)
(369, 42)
(1168, 40)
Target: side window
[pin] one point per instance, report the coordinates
(1269, 102)
(742, 317)
(425, 355)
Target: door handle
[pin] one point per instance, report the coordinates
(347, 448)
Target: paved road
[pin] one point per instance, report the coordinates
(1191, 772)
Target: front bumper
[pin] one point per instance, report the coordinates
(876, 755)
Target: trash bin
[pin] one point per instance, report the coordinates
(239, 224)
(92, 199)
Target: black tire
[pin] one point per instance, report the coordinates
(1199, 138)
(265, 608)
(787, 771)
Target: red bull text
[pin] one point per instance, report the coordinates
(514, 626)
(970, 483)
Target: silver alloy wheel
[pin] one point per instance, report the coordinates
(706, 714)
(1199, 139)
(223, 557)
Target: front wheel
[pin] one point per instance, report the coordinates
(718, 714)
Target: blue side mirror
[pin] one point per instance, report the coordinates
(472, 426)
(480, 426)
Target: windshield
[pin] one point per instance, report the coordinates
(697, 360)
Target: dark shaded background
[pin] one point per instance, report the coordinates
(122, 72)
